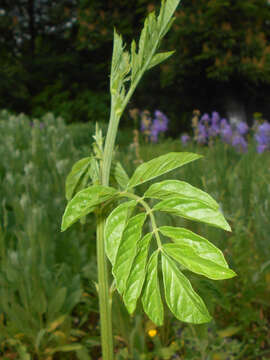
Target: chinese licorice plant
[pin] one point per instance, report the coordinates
(121, 214)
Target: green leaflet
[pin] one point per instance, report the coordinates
(127, 250)
(170, 188)
(158, 58)
(114, 228)
(151, 298)
(182, 300)
(159, 166)
(116, 60)
(165, 16)
(191, 260)
(85, 202)
(137, 274)
(194, 210)
(121, 176)
(74, 177)
(197, 243)
(142, 43)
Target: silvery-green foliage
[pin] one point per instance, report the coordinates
(135, 269)
(39, 266)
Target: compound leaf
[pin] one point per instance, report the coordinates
(159, 166)
(127, 250)
(182, 300)
(137, 274)
(151, 298)
(114, 227)
(85, 202)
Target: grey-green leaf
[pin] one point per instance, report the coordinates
(182, 300)
(85, 202)
(192, 260)
(121, 176)
(170, 188)
(194, 210)
(158, 58)
(151, 298)
(73, 178)
(127, 250)
(114, 228)
(159, 166)
(137, 274)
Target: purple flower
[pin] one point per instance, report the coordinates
(154, 135)
(225, 131)
(215, 118)
(161, 121)
(239, 143)
(214, 130)
(185, 139)
(223, 122)
(205, 119)
(202, 134)
(159, 124)
(242, 127)
(261, 148)
(262, 137)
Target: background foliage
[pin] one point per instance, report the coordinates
(55, 57)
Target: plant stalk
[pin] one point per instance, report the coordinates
(104, 293)
(105, 300)
(103, 283)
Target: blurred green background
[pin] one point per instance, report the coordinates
(55, 56)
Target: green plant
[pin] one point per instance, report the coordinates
(41, 270)
(119, 232)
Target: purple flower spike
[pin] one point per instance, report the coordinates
(224, 122)
(185, 139)
(205, 119)
(214, 130)
(240, 143)
(225, 131)
(215, 117)
(159, 124)
(261, 148)
(242, 127)
(262, 137)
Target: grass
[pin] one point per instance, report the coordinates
(48, 299)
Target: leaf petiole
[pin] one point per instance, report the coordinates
(148, 210)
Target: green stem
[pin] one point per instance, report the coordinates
(104, 297)
(104, 293)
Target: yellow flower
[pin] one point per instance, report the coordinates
(152, 332)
